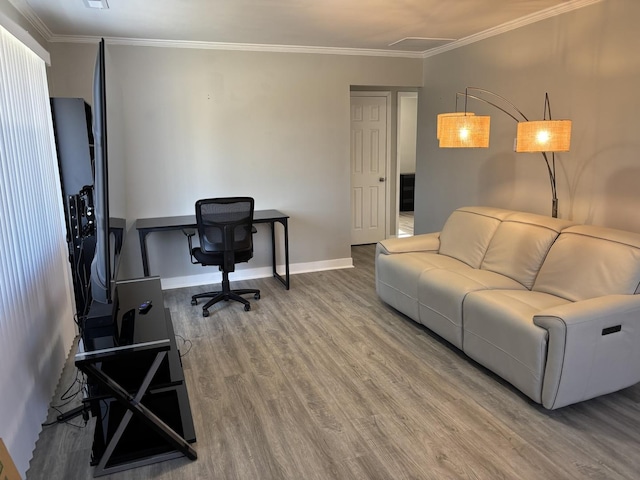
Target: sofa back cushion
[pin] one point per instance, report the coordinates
(587, 261)
(521, 244)
(468, 231)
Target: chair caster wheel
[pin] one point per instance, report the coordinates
(247, 308)
(257, 296)
(205, 313)
(194, 301)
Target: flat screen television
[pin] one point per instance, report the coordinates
(102, 266)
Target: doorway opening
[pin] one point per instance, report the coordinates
(384, 154)
(406, 160)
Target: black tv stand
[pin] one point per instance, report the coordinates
(136, 388)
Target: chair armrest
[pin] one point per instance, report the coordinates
(593, 348)
(427, 242)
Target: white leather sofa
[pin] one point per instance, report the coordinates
(550, 306)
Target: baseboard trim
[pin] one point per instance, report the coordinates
(251, 273)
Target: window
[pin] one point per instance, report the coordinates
(36, 305)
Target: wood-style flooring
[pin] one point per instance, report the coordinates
(326, 382)
(405, 224)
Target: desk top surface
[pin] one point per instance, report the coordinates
(187, 221)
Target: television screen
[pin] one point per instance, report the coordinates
(101, 264)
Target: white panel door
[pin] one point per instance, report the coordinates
(368, 168)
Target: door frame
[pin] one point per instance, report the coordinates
(401, 94)
(387, 167)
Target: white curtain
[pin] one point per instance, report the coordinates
(36, 302)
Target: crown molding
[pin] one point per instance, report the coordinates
(515, 24)
(25, 37)
(27, 12)
(23, 7)
(247, 47)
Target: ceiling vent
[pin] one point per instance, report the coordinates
(100, 4)
(419, 44)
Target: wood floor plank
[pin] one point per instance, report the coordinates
(325, 381)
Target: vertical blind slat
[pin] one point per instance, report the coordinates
(36, 304)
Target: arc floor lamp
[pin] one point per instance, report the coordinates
(467, 130)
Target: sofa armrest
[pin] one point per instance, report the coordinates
(593, 348)
(427, 242)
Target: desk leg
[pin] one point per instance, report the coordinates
(273, 249)
(143, 251)
(285, 224)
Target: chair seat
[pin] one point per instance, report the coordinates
(218, 258)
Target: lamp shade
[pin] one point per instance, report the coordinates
(464, 131)
(544, 136)
(452, 114)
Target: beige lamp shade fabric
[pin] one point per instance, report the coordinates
(452, 114)
(544, 136)
(464, 131)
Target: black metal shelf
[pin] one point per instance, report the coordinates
(136, 384)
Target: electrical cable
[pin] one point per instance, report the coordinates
(69, 396)
(185, 341)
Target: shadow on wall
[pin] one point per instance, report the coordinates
(597, 196)
(622, 200)
(497, 181)
(575, 172)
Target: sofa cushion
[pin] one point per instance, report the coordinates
(441, 293)
(397, 277)
(520, 245)
(499, 333)
(468, 231)
(587, 261)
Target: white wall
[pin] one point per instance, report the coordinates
(586, 60)
(407, 130)
(71, 70)
(205, 123)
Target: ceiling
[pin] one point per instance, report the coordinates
(382, 26)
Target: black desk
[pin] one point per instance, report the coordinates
(135, 383)
(147, 225)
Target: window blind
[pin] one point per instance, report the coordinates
(36, 302)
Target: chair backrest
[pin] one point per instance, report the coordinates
(225, 227)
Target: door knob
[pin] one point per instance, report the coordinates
(381, 179)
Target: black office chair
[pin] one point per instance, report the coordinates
(225, 229)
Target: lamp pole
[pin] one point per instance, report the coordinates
(551, 166)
